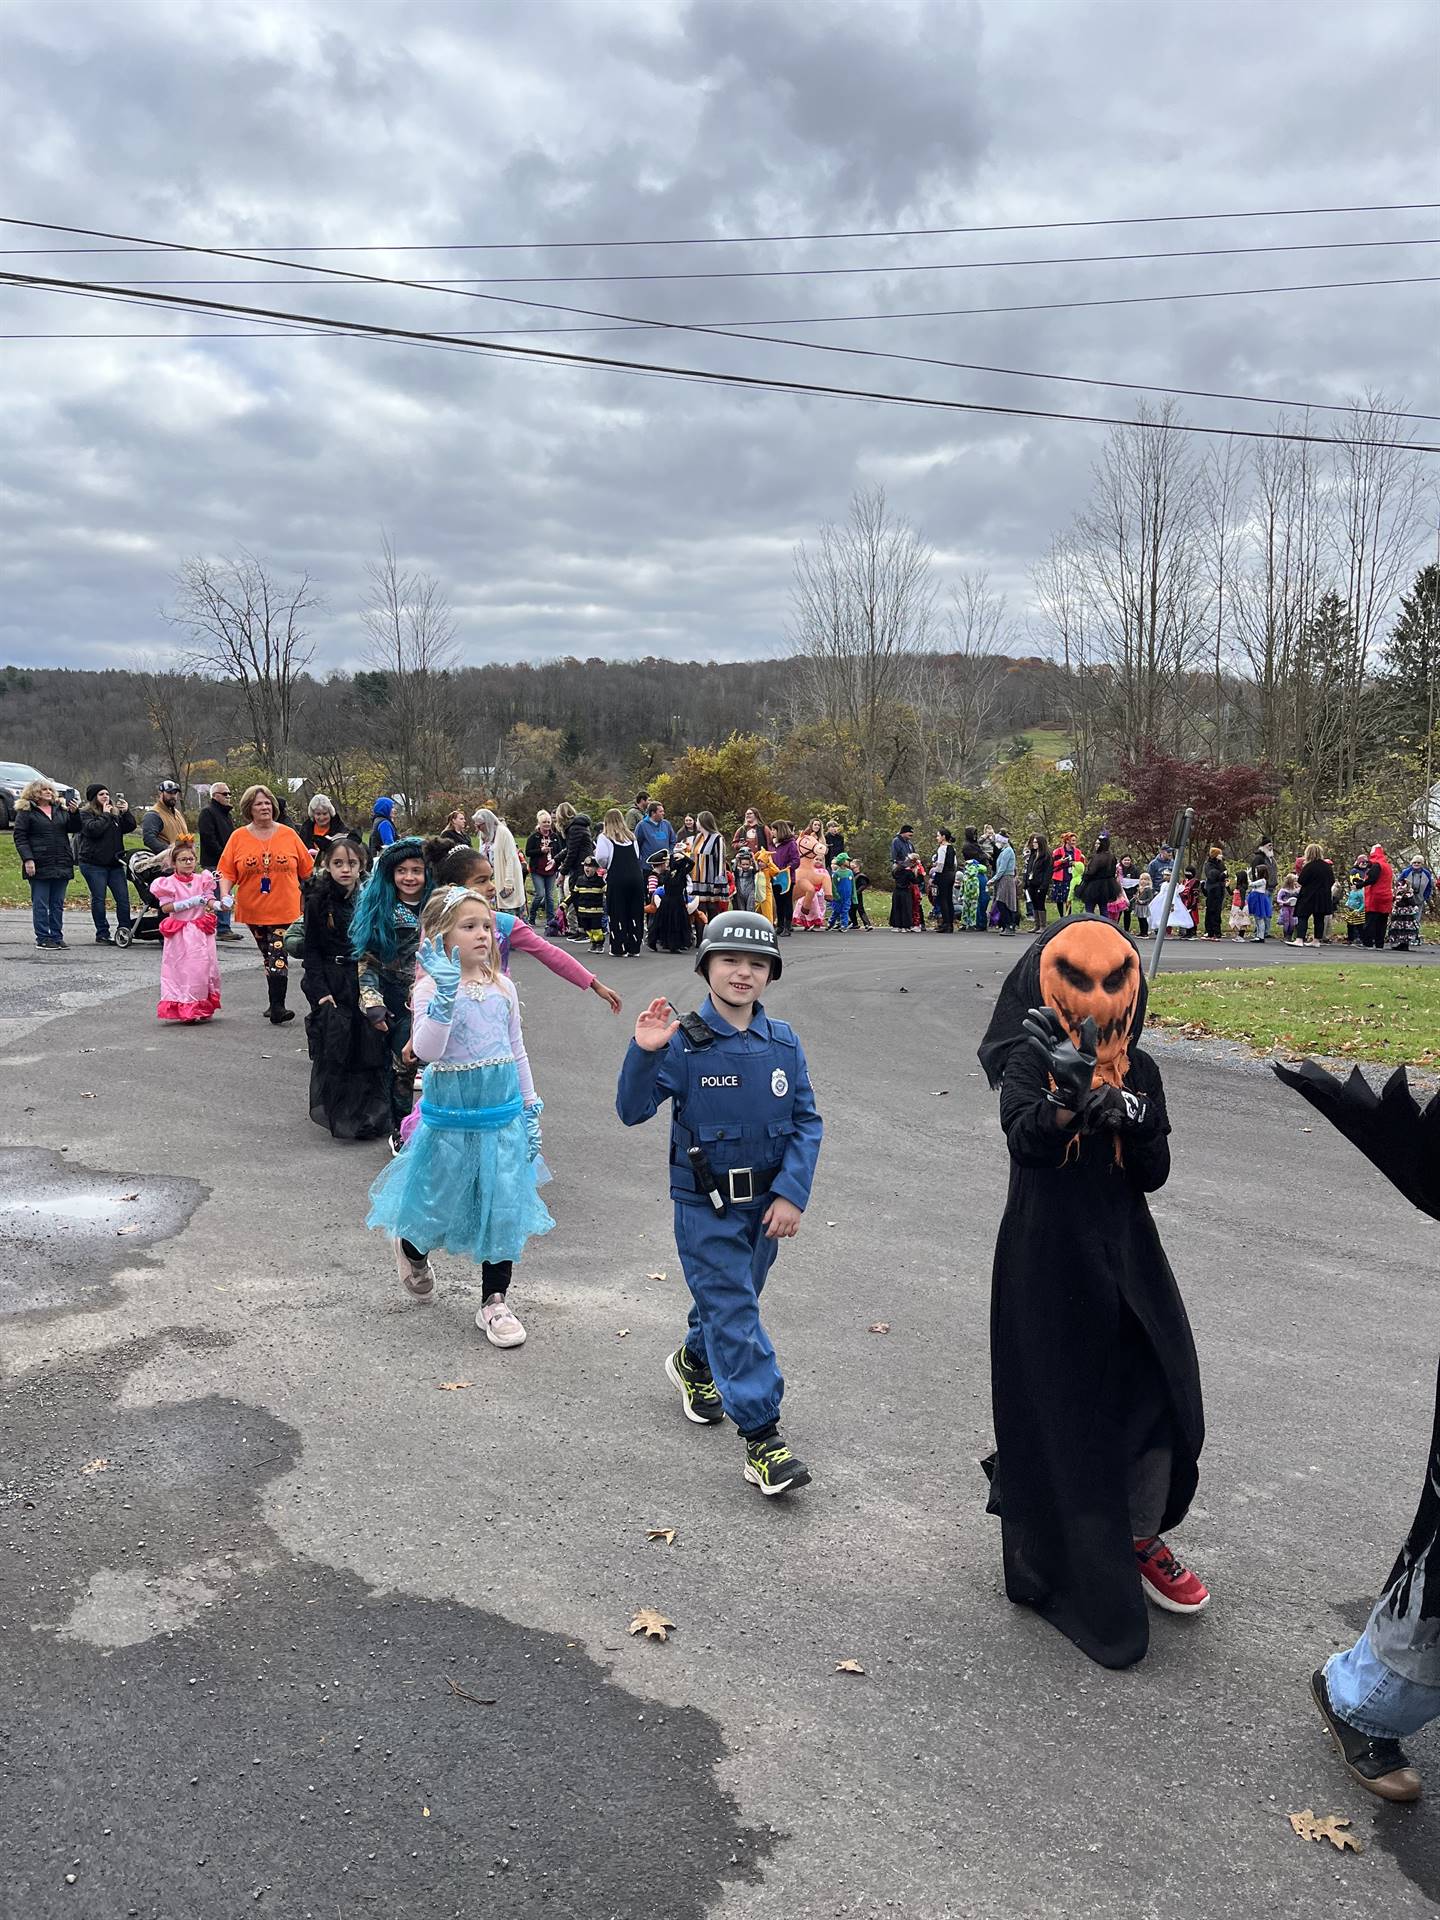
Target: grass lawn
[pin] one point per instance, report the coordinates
(1390, 1014)
(14, 892)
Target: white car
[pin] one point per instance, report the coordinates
(15, 776)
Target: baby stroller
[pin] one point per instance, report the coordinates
(145, 867)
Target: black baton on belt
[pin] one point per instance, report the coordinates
(705, 1177)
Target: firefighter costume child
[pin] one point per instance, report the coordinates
(744, 1140)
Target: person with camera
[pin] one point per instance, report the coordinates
(100, 852)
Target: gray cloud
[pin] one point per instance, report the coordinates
(574, 510)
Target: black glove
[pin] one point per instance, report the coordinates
(1117, 1110)
(1072, 1068)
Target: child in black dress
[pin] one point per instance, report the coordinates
(670, 929)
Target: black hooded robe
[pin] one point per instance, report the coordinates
(672, 930)
(1403, 1140)
(1094, 1378)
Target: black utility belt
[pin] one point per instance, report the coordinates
(736, 1186)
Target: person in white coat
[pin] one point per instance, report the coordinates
(504, 856)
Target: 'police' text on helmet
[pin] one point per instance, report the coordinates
(748, 933)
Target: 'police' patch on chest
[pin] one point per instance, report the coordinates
(779, 1084)
(722, 1079)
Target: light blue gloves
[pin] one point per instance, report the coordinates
(532, 1127)
(444, 969)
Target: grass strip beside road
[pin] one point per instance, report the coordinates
(1386, 1014)
(15, 890)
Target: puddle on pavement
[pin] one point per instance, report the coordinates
(65, 1230)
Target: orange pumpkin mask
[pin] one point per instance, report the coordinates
(1091, 971)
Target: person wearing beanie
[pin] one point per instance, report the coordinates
(100, 855)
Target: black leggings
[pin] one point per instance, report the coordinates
(785, 907)
(1303, 920)
(1213, 904)
(271, 942)
(1374, 934)
(494, 1274)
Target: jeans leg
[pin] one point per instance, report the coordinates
(119, 885)
(1373, 1697)
(97, 879)
(47, 910)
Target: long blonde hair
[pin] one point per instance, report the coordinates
(442, 910)
(616, 828)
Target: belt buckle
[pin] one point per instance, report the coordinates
(742, 1184)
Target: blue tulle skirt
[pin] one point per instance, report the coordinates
(464, 1184)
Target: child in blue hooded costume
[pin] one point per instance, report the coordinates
(382, 830)
(744, 1140)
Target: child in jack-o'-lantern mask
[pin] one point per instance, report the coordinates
(1096, 1386)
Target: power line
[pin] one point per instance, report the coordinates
(458, 282)
(730, 330)
(705, 375)
(919, 359)
(761, 239)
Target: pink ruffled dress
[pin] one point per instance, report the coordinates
(189, 969)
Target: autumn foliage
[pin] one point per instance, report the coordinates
(1230, 801)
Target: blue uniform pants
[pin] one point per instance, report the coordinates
(726, 1258)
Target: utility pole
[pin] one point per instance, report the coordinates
(1179, 839)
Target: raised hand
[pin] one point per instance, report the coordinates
(656, 1027)
(1072, 1068)
(442, 967)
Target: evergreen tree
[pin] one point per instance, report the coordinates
(1411, 697)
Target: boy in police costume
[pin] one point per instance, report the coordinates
(744, 1139)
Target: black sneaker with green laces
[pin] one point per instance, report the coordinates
(698, 1392)
(771, 1466)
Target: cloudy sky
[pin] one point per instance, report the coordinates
(575, 510)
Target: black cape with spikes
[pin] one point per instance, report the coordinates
(1090, 1345)
(1403, 1140)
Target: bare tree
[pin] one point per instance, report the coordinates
(1147, 585)
(1222, 484)
(412, 652)
(1380, 506)
(862, 606)
(1062, 600)
(248, 631)
(957, 691)
(174, 709)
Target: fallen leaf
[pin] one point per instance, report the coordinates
(667, 1534)
(623, 1334)
(653, 1625)
(1335, 1829)
(102, 1465)
(87, 1096)
(878, 1326)
(454, 1386)
(424, 1813)
(848, 1666)
(657, 1276)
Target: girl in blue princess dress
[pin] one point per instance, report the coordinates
(468, 1181)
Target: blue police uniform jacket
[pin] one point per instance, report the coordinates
(746, 1100)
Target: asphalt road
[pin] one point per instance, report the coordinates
(249, 1542)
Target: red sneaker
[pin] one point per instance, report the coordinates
(1168, 1581)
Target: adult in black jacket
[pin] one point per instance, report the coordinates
(1037, 877)
(349, 1060)
(943, 873)
(1214, 883)
(1101, 884)
(43, 826)
(101, 847)
(579, 839)
(1316, 900)
(1094, 1380)
(216, 826)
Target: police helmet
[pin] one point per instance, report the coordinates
(748, 933)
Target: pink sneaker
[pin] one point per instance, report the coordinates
(1167, 1580)
(498, 1323)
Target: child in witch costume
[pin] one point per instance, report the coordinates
(744, 1139)
(1096, 1387)
(1387, 1685)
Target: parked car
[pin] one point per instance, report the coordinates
(15, 776)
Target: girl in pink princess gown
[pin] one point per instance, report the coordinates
(189, 970)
